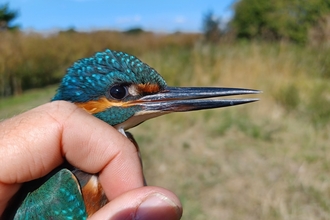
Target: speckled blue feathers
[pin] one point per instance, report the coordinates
(90, 78)
(61, 192)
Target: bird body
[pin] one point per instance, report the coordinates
(67, 195)
(123, 91)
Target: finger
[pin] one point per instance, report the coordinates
(106, 152)
(35, 142)
(142, 203)
(6, 192)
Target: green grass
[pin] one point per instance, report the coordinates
(265, 160)
(32, 98)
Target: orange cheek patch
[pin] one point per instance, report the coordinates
(100, 105)
(148, 88)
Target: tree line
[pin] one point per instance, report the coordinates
(296, 21)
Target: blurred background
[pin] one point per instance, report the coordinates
(265, 160)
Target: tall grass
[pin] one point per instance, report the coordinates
(266, 160)
(33, 60)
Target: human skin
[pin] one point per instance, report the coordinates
(35, 142)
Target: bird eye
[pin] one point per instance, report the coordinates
(118, 91)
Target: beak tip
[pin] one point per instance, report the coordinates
(243, 101)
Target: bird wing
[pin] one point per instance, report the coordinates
(92, 191)
(61, 192)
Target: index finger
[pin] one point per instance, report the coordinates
(34, 143)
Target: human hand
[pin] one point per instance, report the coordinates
(34, 143)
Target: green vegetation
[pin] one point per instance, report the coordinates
(280, 19)
(266, 160)
(11, 106)
(6, 18)
(33, 60)
(211, 27)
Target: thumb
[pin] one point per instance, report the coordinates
(142, 203)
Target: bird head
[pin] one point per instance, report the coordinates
(123, 91)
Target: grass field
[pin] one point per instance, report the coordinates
(265, 160)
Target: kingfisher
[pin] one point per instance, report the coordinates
(121, 90)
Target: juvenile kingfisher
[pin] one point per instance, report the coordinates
(123, 91)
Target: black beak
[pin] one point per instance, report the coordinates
(181, 99)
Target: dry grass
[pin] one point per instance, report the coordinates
(266, 160)
(30, 60)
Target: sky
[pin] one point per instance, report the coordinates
(86, 15)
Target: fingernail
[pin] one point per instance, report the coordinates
(157, 206)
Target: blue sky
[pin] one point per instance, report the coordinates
(163, 16)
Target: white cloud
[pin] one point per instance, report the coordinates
(180, 19)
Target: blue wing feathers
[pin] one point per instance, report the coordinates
(61, 192)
